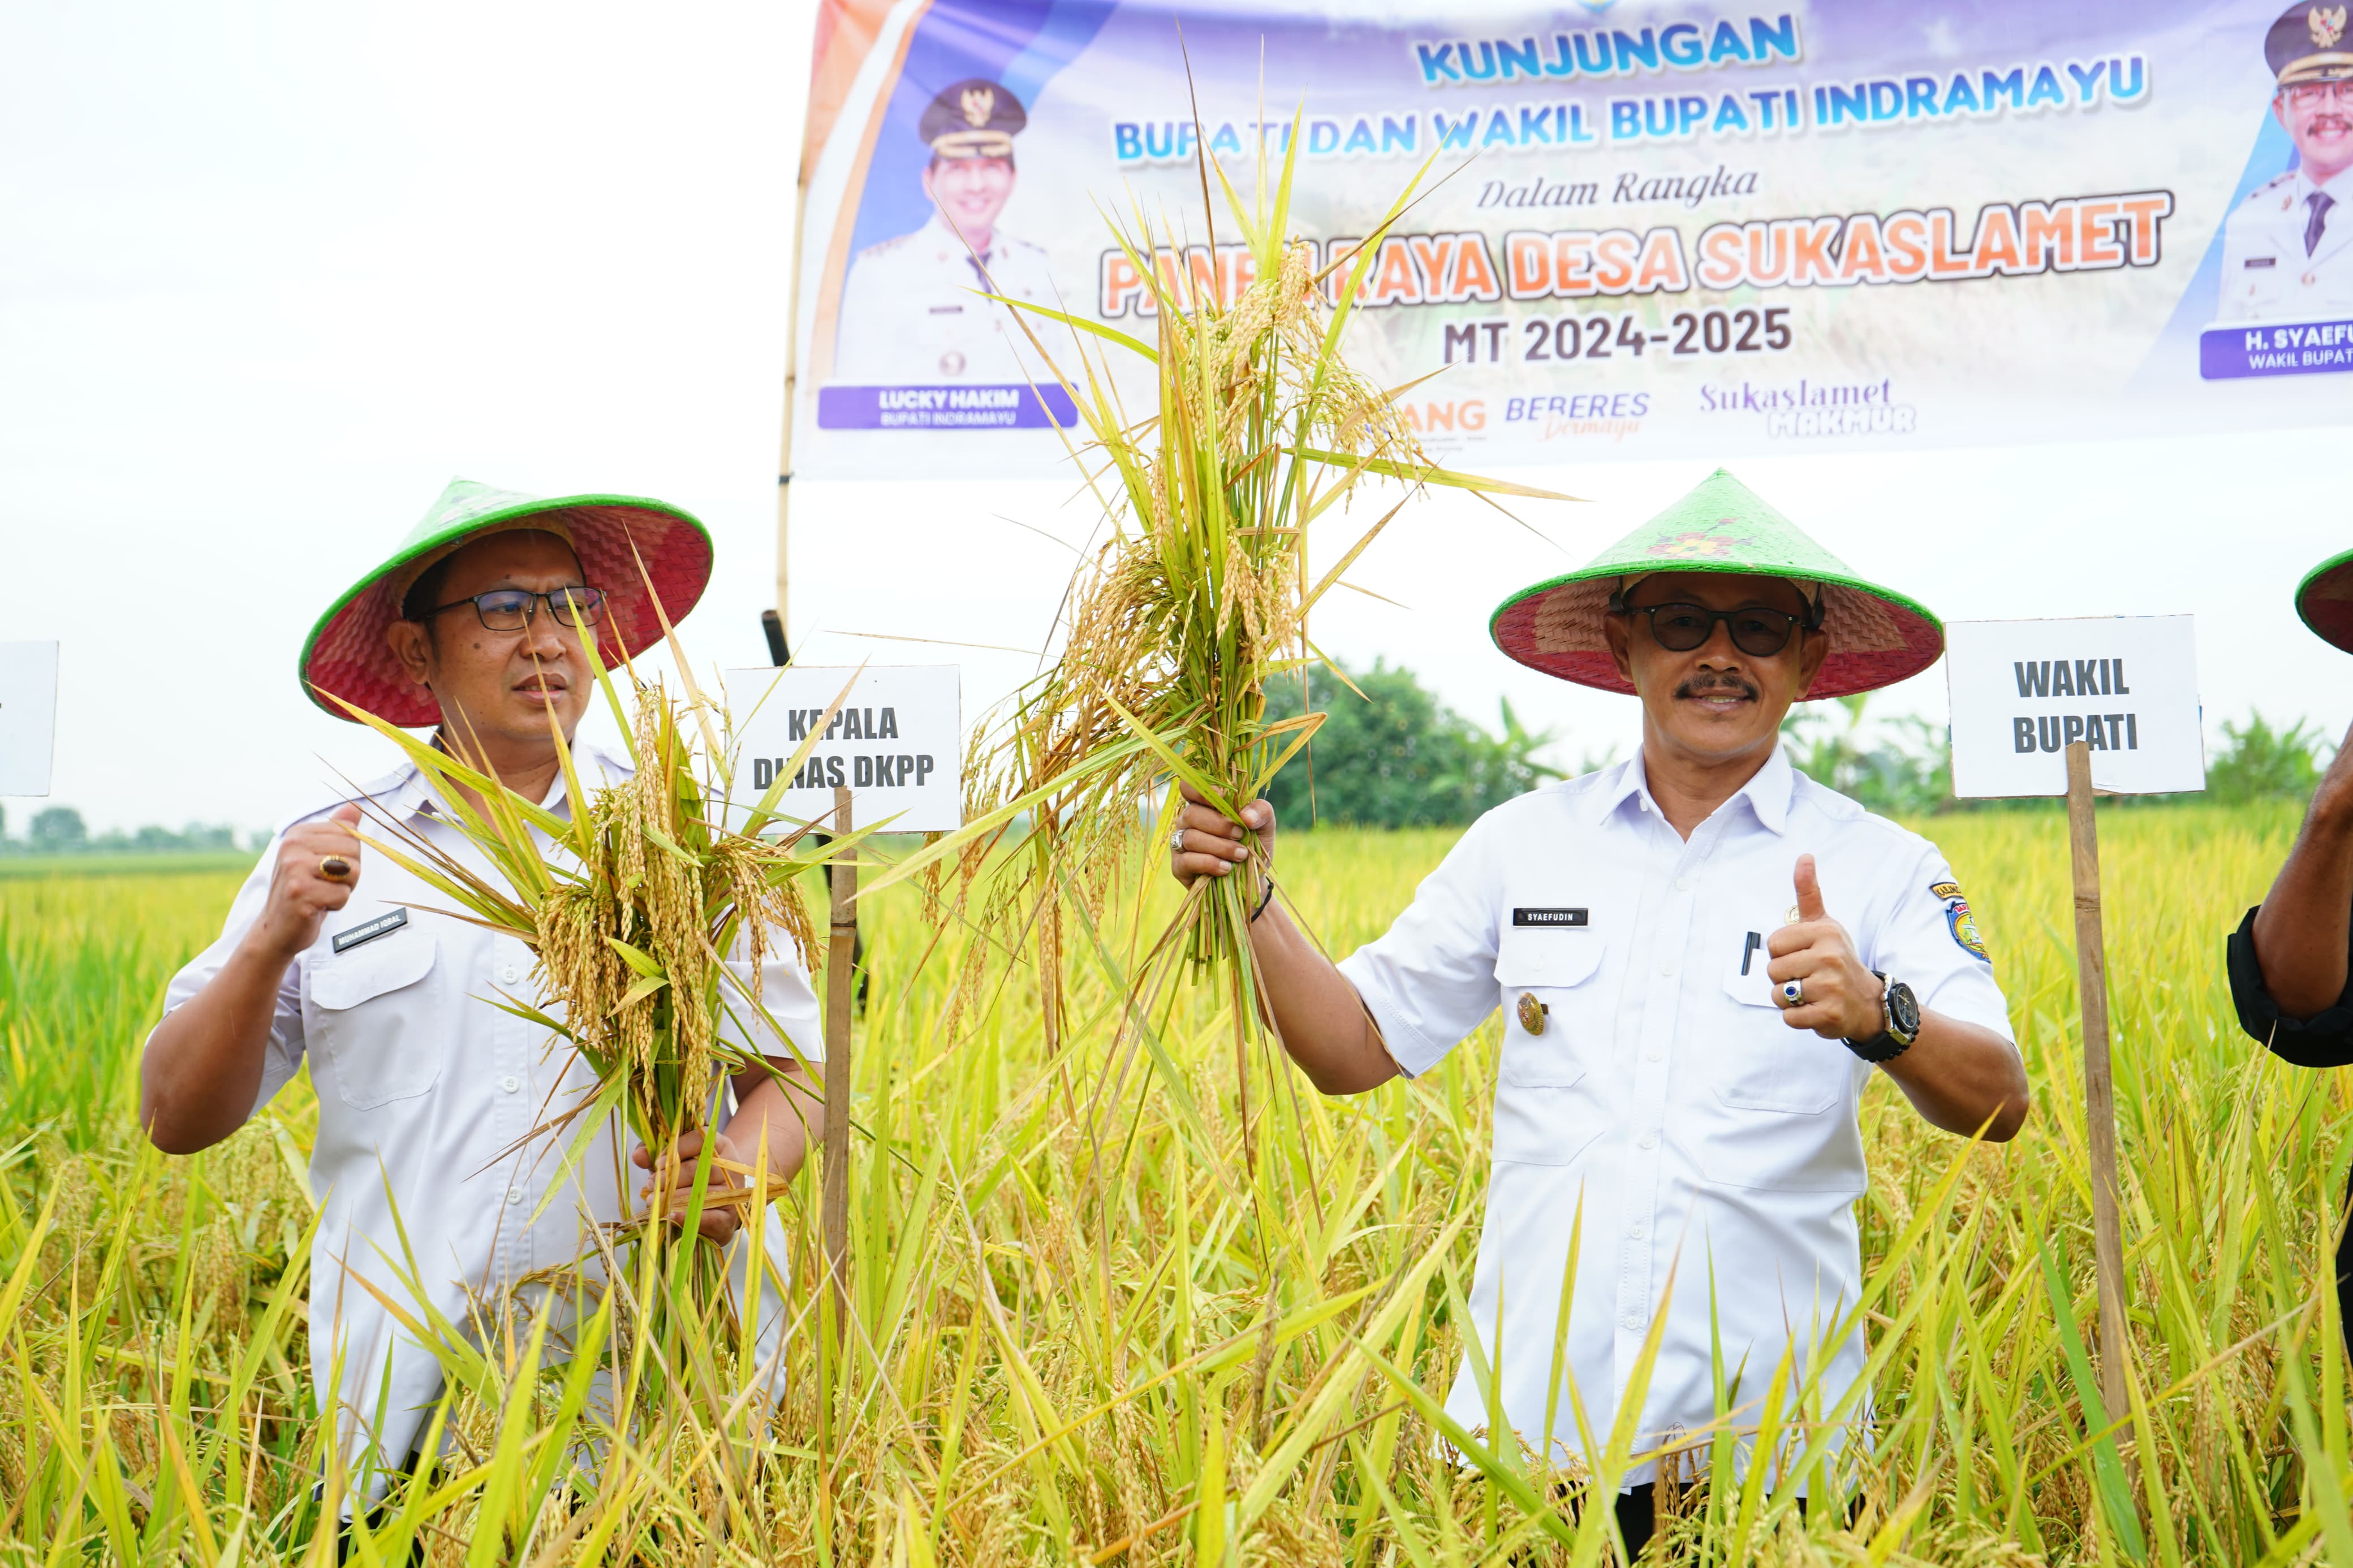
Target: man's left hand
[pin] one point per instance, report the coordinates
(1841, 997)
(673, 1182)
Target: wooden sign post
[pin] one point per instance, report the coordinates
(2099, 1085)
(881, 743)
(840, 996)
(2067, 707)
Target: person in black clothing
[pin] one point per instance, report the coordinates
(2291, 957)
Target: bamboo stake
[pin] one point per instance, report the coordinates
(2099, 1085)
(840, 996)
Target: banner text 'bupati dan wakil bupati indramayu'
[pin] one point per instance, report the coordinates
(1649, 230)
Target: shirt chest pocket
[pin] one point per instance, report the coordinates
(2263, 276)
(1761, 1063)
(378, 1020)
(1554, 1031)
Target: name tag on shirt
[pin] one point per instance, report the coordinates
(368, 930)
(1564, 919)
(2260, 261)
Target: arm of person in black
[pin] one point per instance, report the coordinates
(2290, 958)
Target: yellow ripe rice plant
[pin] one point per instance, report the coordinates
(1018, 1392)
(649, 913)
(1201, 590)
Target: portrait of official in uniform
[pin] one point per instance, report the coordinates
(910, 312)
(2287, 251)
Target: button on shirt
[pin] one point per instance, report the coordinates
(1662, 1095)
(428, 1097)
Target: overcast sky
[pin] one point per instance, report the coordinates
(272, 273)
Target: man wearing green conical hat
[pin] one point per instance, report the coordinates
(1700, 956)
(438, 1194)
(2290, 958)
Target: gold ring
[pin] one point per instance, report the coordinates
(334, 867)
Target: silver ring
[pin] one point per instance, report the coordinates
(1177, 841)
(1792, 992)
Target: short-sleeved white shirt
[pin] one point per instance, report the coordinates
(912, 311)
(1699, 1132)
(427, 1096)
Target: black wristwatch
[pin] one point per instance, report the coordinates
(1899, 1022)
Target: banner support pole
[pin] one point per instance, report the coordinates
(2099, 1083)
(785, 441)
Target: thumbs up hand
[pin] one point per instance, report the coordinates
(1841, 998)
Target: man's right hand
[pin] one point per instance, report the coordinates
(1317, 1015)
(1207, 842)
(300, 891)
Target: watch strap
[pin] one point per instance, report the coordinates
(1884, 1045)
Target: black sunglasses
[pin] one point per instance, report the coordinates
(1756, 630)
(511, 609)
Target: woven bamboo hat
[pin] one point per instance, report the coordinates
(1878, 637)
(346, 655)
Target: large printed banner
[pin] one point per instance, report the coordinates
(1649, 230)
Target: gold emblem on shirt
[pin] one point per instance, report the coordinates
(1532, 1012)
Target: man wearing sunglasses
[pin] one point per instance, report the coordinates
(2287, 251)
(441, 1191)
(1701, 957)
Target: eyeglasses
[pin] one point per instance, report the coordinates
(1756, 630)
(511, 609)
(2305, 94)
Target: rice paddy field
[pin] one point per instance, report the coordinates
(1092, 1320)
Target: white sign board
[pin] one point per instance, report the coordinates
(28, 716)
(2126, 685)
(896, 743)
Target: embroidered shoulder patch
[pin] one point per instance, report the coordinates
(1958, 920)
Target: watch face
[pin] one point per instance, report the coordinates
(1903, 1009)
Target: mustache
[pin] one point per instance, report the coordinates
(1715, 682)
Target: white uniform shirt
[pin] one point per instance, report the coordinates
(2266, 274)
(911, 315)
(425, 1089)
(1663, 1093)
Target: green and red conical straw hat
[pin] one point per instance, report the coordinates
(1878, 637)
(346, 655)
(2325, 600)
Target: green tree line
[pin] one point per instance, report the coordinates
(1391, 755)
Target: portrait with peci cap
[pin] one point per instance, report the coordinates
(2288, 248)
(914, 310)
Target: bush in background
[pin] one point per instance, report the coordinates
(1395, 756)
(2259, 762)
(1907, 772)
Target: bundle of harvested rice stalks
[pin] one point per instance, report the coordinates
(649, 916)
(1200, 593)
